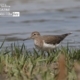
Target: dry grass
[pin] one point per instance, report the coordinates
(62, 75)
(77, 69)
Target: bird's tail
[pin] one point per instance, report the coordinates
(65, 35)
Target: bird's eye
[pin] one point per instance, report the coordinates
(34, 34)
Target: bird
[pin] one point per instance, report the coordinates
(47, 42)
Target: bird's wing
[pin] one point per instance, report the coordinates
(51, 39)
(54, 39)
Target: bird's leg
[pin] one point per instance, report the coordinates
(41, 53)
(48, 53)
(54, 51)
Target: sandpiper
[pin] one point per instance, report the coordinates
(47, 42)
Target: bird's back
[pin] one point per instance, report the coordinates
(54, 39)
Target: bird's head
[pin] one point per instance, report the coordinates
(35, 34)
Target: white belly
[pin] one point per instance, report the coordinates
(50, 46)
(45, 45)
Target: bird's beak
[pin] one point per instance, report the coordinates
(27, 38)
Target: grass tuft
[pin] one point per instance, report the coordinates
(18, 63)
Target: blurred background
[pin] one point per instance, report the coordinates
(46, 16)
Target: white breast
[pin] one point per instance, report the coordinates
(35, 42)
(51, 46)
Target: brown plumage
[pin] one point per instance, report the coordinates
(54, 39)
(47, 41)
